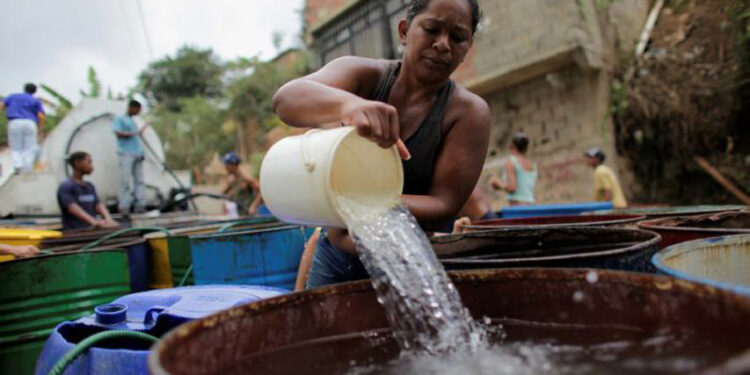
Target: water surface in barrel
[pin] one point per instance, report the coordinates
(663, 354)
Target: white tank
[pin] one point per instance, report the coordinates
(88, 127)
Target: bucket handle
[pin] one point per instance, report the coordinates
(306, 159)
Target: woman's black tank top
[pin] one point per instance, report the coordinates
(424, 144)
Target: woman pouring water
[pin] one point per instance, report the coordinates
(440, 129)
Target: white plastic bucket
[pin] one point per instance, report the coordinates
(301, 175)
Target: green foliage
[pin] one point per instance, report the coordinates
(739, 12)
(202, 106)
(60, 109)
(62, 101)
(250, 96)
(193, 134)
(191, 72)
(3, 127)
(95, 86)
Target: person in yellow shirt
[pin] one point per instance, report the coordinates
(606, 186)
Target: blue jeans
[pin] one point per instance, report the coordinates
(131, 170)
(332, 266)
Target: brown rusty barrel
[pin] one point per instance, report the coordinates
(592, 247)
(566, 221)
(331, 329)
(680, 229)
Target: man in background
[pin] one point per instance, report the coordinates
(606, 186)
(78, 201)
(244, 189)
(25, 115)
(130, 154)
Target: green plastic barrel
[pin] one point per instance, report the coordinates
(39, 293)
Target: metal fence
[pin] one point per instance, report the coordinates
(367, 29)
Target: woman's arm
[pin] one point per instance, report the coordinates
(318, 98)
(511, 173)
(335, 94)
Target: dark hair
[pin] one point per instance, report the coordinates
(521, 141)
(596, 153)
(231, 158)
(29, 88)
(416, 7)
(134, 104)
(76, 157)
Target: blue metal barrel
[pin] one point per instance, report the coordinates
(256, 257)
(535, 210)
(723, 262)
(154, 312)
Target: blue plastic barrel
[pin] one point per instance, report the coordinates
(722, 262)
(154, 312)
(552, 209)
(256, 257)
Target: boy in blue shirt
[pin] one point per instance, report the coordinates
(130, 152)
(24, 113)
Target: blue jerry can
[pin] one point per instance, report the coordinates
(154, 312)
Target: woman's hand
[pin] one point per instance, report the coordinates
(375, 121)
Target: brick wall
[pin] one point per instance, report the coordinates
(543, 66)
(320, 10)
(564, 114)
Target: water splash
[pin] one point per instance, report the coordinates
(421, 303)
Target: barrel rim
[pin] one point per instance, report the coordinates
(661, 212)
(659, 261)
(634, 279)
(660, 224)
(47, 256)
(112, 243)
(184, 231)
(651, 242)
(597, 220)
(242, 233)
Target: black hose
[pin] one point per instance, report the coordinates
(190, 196)
(169, 170)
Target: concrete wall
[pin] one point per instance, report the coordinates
(544, 66)
(564, 113)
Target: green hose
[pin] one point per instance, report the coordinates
(82, 346)
(260, 220)
(123, 231)
(187, 274)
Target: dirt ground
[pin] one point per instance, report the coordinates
(687, 99)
